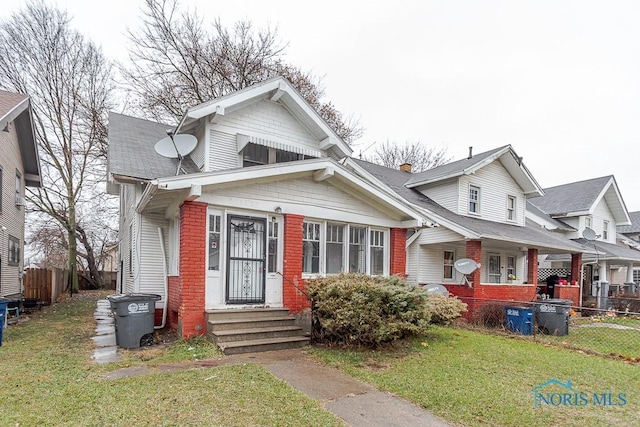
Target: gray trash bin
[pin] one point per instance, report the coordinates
(553, 316)
(134, 316)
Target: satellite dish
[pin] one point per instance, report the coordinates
(176, 146)
(436, 289)
(589, 234)
(466, 266)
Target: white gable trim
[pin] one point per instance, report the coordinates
(279, 90)
(619, 212)
(321, 169)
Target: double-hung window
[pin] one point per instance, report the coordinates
(511, 208)
(14, 251)
(605, 230)
(448, 258)
(474, 199)
(335, 248)
(311, 248)
(331, 248)
(376, 248)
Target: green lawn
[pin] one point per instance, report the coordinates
(48, 379)
(473, 378)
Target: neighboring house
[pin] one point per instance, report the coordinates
(478, 207)
(594, 205)
(19, 166)
(630, 236)
(262, 203)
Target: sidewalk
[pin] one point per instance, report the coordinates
(357, 403)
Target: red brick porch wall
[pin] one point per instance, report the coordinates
(568, 292)
(293, 299)
(398, 262)
(187, 291)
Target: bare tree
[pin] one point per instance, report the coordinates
(176, 63)
(69, 80)
(420, 156)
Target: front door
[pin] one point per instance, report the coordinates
(246, 261)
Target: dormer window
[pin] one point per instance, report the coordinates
(474, 199)
(256, 154)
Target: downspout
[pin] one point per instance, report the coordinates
(166, 281)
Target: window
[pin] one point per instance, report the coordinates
(636, 276)
(511, 208)
(474, 199)
(495, 274)
(335, 248)
(376, 249)
(448, 258)
(330, 248)
(14, 251)
(130, 260)
(18, 186)
(272, 266)
(310, 247)
(587, 222)
(511, 267)
(254, 155)
(214, 242)
(605, 230)
(357, 254)
(0, 189)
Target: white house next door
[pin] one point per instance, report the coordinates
(246, 260)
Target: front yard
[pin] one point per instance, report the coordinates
(472, 378)
(466, 377)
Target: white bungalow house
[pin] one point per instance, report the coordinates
(595, 205)
(478, 205)
(262, 203)
(19, 167)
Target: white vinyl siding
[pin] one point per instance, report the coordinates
(445, 193)
(223, 151)
(304, 196)
(152, 264)
(495, 184)
(601, 214)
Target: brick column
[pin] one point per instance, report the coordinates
(576, 268)
(191, 283)
(532, 266)
(293, 299)
(398, 261)
(474, 252)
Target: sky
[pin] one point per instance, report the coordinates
(558, 80)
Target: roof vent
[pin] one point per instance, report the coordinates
(405, 167)
(470, 153)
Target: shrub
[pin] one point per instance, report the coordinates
(444, 309)
(491, 316)
(358, 310)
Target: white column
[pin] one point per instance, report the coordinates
(603, 273)
(629, 272)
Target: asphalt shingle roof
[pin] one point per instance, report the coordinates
(573, 197)
(9, 100)
(529, 234)
(451, 168)
(635, 224)
(131, 149)
(605, 251)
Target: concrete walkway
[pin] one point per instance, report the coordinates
(357, 403)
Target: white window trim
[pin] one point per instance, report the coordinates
(605, 230)
(345, 249)
(453, 270)
(478, 202)
(514, 209)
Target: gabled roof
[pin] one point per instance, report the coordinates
(582, 197)
(507, 156)
(16, 108)
(160, 190)
(275, 89)
(600, 251)
(634, 227)
(545, 220)
(132, 153)
(471, 228)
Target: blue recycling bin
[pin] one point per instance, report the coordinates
(519, 319)
(3, 313)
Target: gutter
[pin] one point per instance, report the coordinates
(147, 195)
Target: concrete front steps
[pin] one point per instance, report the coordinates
(253, 330)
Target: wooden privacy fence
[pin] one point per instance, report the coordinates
(44, 284)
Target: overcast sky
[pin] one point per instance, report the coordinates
(558, 80)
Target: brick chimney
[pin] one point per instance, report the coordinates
(405, 167)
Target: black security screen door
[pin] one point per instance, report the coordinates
(246, 261)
